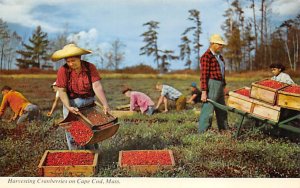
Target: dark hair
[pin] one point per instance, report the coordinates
(126, 89)
(278, 66)
(6, 88)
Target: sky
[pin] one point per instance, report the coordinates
(100, 22)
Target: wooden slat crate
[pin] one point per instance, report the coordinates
(67, 171)
(142, 169)
(265, 110)
(288, 100)
(239, 101)
(263, 93)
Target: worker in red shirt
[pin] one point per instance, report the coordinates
(78, 83)
(22, 108)
(213, 82)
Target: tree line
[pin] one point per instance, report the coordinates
(253, 43)
(37, 51)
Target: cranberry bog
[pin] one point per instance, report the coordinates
(269, 153)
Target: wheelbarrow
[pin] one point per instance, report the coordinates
(291, 124)
(103, 125)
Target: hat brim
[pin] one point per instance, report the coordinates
(71, 52)
(218, 42)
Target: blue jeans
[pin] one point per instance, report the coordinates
(30, 113)
(150, 110)
(78, 102)
(215, 93)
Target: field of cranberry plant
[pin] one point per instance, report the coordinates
(270, 153)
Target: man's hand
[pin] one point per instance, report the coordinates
(226, 91)
(204, 96)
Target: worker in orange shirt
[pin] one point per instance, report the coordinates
(22, 108)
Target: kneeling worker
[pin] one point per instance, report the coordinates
(22, 108)
(195, 94)
(139, 100)
(170, 93)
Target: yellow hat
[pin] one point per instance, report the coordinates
(69, 50)
(215, 38)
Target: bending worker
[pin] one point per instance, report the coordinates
(78, 83)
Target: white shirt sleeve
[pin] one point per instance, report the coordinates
(283, 77)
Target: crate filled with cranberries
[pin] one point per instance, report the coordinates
(240, 99)
(146, 161)
(68, 163)
(289, 97)
(266, 90)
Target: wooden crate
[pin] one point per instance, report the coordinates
(288, 100)
(265, 110)
(67, 171)
(263, 93)
(144, 169)
(240, 102)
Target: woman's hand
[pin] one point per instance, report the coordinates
(73, 110)
(106, 109)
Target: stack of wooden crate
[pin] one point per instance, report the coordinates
(265, 99)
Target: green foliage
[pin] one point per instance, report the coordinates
(36, 52)
(212, 154)
(197, 30)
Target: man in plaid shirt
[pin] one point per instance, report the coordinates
(170, 93)
(212, 84)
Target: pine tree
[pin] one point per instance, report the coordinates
(195, 18)
(185, 51)
(150, 38)
(36, 52)
(166, 58)
(232, 27)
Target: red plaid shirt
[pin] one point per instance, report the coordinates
(79, 82)
(210, 69)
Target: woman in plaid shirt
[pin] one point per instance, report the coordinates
(212, 84)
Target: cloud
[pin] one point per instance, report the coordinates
(286, 7)
(84, 38)
(23, 13)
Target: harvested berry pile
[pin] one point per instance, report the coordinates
(80, 132)
(146, 158)
(97, 118)
(271, 84)
(292, 89)
(243, 91)
(69, 159)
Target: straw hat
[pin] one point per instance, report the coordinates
(215, 38)
(69, 50)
